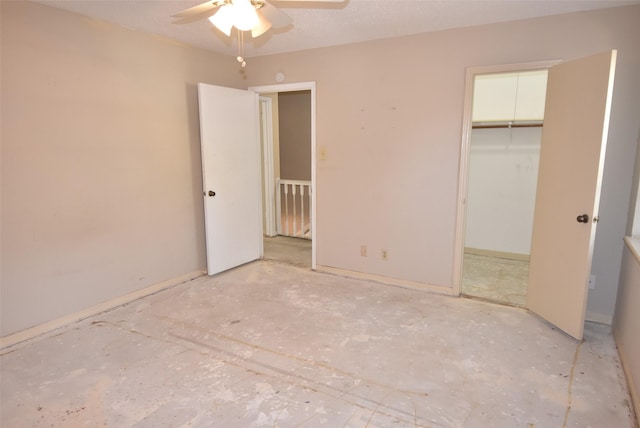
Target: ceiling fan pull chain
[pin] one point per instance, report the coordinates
(240, 57)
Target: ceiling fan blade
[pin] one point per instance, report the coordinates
(311, 1)
(277, 17)
(262, 26)
(197, 10)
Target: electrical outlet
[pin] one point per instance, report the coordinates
(385, 254)
(592, 282)
(363, 251)
(323, 153)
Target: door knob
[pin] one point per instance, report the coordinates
(212, 193)
(583, 218)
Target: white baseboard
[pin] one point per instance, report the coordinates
(598, 318)
(46, 327)
(413, 285)
(498, 254)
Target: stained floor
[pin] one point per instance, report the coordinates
(273, 345)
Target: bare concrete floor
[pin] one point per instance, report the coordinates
(273, 345)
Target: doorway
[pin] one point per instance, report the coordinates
(504, 112)
(288, 151)
(507, 119)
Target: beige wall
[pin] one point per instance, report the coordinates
(101, 175)
(295, 135)
(101, 182)
(627, 318)
(389, 116)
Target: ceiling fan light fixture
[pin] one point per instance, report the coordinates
(245, 15)
(223, 19)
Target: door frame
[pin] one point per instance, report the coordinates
(266, 138)
(465, 150)
(302, 86)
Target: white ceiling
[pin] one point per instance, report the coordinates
(318, 25)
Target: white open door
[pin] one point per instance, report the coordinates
(230, 145)
(576, 122)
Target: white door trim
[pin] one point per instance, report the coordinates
(465, 147)
(266, 111)
(303, 86)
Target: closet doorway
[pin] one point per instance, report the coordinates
(287, 131)
(503, 156)
(568, 185)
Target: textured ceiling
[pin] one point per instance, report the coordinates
(316, 24)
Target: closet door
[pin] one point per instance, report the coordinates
(572, 153)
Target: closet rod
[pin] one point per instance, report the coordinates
(515, 125)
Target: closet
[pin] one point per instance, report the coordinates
(508, 113)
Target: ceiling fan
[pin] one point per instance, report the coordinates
(257, 16)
